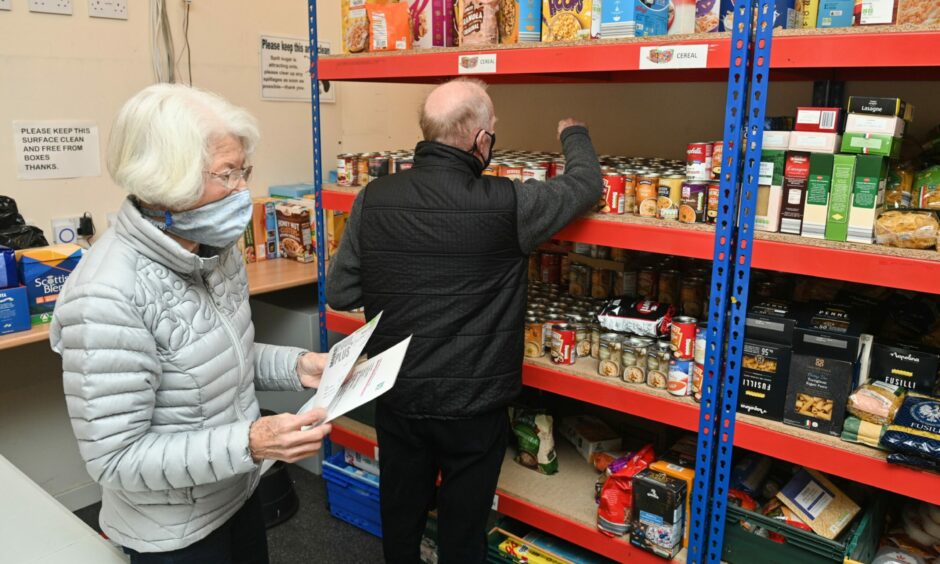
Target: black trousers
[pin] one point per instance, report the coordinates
(241, 540)
(468, 454)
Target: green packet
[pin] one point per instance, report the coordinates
(535, 441)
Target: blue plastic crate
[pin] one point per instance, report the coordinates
(353, 494)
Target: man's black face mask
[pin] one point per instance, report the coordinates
(476, 148)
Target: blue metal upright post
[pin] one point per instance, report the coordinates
(317, 171)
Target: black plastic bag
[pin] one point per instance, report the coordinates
(21, 237)
(9, 214)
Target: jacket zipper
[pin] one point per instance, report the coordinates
(238, 346)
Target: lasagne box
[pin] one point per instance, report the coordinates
(817, 196)
(906, 366)
(875, 12)
(658, 513)
(770, 191)
(831, 330)
(817, 392)
(44, 271)
(836, 13)
(819, 503)
(871, 144)
(822, 120)
(881, 107)
(840, 198)
(771, 320)
(765, 369)
(892, 126)
(590, 435)
(776, 140)
(679, 472)
(795, 182)
(871, 175)
(14, 310)
(814, 142)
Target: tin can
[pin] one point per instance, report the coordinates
(698, 161)
(596, 340)
(625, 284)
(534, 275)
(701, 343)
(579, 284)
(698, 376)
(609, 356)
(670, 192)
(601, 283)
(717, 155)
(668, 289)
(347, 170)
(564, 344)
(362, 162)
(613, 192)
(657, 365)
(682, 337)
(565, 270)
(550, 268)
(558, 166)
(583, 249)
(378, 166)
(619, 255)
(692, 296)
(629, 190)
(647, 283)
(512, 171)
(647, 194)
(404, 164)
(534, 173)
(600, 252)
(534, 337)
(582, 339)
(678, 381)
(692, 204)
(549, 321)
(711, 208)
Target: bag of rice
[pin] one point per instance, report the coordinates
(534, 439)
(876, 402)
(916, 427)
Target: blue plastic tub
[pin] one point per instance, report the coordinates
(353, 494)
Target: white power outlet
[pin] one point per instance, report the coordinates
(6, 4)
(65, 230)
(51, 6)
(113, 9)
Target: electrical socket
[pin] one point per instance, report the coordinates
(65, 229)
(51, 6)
(6, 4)
(112, 9)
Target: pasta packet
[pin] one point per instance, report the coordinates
(876, 402)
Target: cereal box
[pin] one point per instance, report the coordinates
(681, 20)
(618, 19)
(355, 26)
(653, 18)
(875, 12)
(836, 13)
(786, 16)
(432, 23)
(918, 12)
(520, 21)
(564, 20)
(14, 310)
(707, 15)
(44, 271)
(294, 233)
(809, 13)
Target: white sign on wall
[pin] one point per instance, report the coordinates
(56, 149)
(285, 70)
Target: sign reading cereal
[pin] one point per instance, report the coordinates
(570, 20)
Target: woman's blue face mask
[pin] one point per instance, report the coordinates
(218, 224)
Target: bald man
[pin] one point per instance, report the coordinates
(443, 252)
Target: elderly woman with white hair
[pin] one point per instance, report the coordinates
(159, 361)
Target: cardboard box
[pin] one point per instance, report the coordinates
(290, 191)
(831, 330)
(836, 13)
(687, 475)
(14, 310)
(653, 19)
(776, 141)
(814, 142)
(8, 274)
(817, 196)
(770, 191)
(906, 366)
(44, 271)
(795, 182)
(362, 462)
(881, 107)
(871, 175)
(707, 16)
(683, 20)
(658, 503)
(818, 503)
(772, 321)
(840, 198)
(295, 239)
(871, 144)
(590, 436)
(875, 12)
(883, 125)
(618, 19)
(786, 15)
(432, 23)
(765, 369)
(355, 24)
(809, 13)
(822, 120)
(555, 15)
(817, 392)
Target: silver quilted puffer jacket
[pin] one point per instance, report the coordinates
(160, 369)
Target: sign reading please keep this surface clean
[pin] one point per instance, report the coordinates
(56, 149)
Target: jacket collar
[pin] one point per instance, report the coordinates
(154, 244)
(432, 153)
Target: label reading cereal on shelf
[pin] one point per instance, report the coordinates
(476, 64)
(674, 57)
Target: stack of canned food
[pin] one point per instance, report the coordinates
(354, 169)
(565, 298)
